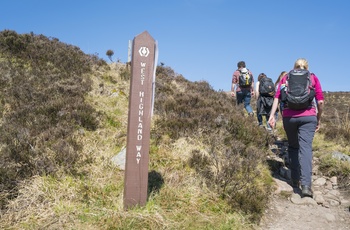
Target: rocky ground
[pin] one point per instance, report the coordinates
(328, 209)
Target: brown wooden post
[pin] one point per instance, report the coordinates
(139, 120)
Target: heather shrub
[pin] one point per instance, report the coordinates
(42, 88)
(237, 172)
(336, 118)
(234, 163)
(338, 128)
(125, 74)
(194, 108)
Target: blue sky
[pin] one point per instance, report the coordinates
(201, 39)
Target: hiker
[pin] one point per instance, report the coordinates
(280, 107)
(258, 116)
(265, 90)
(300, 120)
(243, 86)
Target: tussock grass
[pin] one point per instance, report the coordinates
(323, 149)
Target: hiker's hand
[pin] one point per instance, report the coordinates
(233, 94)
(318, 125)
(272, 121)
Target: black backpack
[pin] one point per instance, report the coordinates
(299, 92)
(245, 79)
(266, 87)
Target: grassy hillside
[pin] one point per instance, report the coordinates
(64, 116)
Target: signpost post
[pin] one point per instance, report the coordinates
(144, 53)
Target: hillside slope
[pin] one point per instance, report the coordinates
(64, 117)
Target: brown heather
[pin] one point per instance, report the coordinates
(42, 88)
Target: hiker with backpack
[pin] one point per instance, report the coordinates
(301, 119)
(265, 90)
(243, 86)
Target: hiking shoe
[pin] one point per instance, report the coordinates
(306, 191)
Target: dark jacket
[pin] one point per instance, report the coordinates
(264, 105)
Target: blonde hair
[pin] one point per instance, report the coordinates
(301, 63)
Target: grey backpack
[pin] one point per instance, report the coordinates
(299, 92)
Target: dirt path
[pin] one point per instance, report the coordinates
(283, 214)
(329, 209)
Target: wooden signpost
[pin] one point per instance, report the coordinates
(139, 120)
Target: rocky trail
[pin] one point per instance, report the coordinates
(328, 209)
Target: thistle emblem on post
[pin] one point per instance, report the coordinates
(143, 51)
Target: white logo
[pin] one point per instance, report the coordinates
(144, 51)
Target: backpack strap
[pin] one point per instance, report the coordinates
(312, 78)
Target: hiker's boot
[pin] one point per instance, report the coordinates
(306, 191)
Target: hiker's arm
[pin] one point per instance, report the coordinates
(320, 105)
(233, 85)
(257, 89)
(319, 101)
(272, 120)
(252, 92)
(233, 90)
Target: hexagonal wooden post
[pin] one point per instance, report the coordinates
(139, 120)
